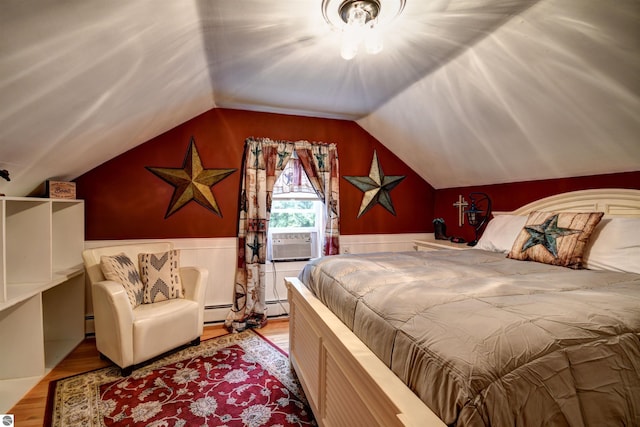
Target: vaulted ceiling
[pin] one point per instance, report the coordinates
(466, 92)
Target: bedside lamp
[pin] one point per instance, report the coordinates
(478, 213)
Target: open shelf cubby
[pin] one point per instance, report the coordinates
(41, 289)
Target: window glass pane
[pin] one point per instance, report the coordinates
(290, 204)
(292, 220)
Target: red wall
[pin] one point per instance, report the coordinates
(506, 197)
(123, 200)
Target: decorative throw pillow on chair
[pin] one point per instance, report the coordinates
(160, 273)
(119, 268)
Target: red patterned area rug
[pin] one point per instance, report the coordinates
(234, 380)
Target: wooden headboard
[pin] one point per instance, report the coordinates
(612, 201)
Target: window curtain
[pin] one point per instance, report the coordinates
(293, 179)
(320, 162)
(263, 162)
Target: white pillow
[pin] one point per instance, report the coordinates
(501, 232)
(614, 245)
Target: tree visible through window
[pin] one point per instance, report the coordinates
(292, 213)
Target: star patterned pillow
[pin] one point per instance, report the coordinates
(555, 238)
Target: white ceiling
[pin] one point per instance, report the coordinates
(465, 91)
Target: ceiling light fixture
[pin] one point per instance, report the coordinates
(360, 22)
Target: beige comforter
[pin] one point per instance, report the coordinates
(485, 340)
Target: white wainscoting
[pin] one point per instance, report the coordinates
(218, 255)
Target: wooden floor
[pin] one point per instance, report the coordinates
(30, 410)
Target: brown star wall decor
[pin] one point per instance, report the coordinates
(191, 182)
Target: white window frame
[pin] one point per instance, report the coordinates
(319, 216)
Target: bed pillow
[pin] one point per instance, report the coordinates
(119, 268)
(160, 273)
(557, 238)
(615, 245)
(501, 232)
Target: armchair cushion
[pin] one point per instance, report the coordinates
(160, 274)
(157, 325)
(119, 268)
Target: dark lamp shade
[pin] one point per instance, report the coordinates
(478, 213)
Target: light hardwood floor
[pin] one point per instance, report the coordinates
(30, 410)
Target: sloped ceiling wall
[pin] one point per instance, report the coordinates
(81, 82)
(553, 93)
(465, 92)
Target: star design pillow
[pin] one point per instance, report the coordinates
(555, 238)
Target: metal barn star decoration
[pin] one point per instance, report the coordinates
(546, 234)
(192, 182)
(376, 187)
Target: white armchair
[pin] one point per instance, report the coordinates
(129, 336)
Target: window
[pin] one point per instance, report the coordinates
(296, 209)
(295, 212)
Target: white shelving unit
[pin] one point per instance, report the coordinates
(41, 289)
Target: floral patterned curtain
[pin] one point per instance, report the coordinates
(263, 162)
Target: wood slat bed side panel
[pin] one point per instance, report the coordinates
(304, 353)
(343, 405)
(356, 371)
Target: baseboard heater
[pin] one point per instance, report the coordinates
(293, 246)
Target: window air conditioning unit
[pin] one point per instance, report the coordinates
(293, 246)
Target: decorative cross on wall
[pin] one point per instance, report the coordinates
(461, 204)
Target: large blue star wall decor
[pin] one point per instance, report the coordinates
(192, 182)
(546, 234)
(376, 187)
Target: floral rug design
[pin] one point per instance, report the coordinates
(233, 380)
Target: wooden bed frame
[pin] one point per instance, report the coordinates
(346, 384)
